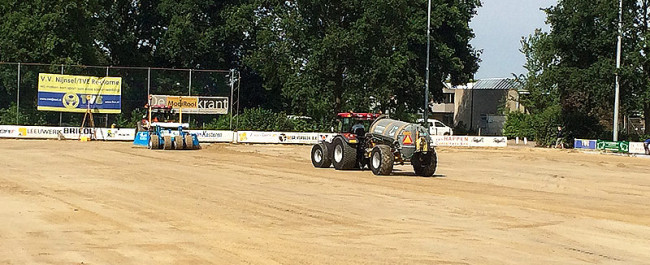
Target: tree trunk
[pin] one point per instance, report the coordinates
(338, 91)
(646, 114)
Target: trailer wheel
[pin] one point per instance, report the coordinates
(167, 142)
(154, 142)
(425, 164)
(381, 160)
(320, 157)
(178, 142)
(189, 141)
(344, 156)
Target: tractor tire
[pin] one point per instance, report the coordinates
(189, 142)
(344, 156)
(178, 142)
(381, 160)
(320, 156)
(167, 142)
(425, 164)
(154, 142)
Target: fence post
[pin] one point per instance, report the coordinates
(18, 97)
(189, 93)
(61, 113)
(232, 88)
(148, 83)
(238, 97)
(106, 121)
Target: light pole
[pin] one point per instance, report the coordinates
(618, 67)
(426, 86)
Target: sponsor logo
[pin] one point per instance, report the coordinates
(70, 130)
(70, 100)
(296, 138)
(6, 131)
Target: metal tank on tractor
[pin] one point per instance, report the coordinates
(386, 142)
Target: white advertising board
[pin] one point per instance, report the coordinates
(450, 140)
(637, 148)
(208, 136)
(42, 132)
(485, 141)
(470, 141)
(192, 104)
(115, 134)
(281, 137)
(7, 131)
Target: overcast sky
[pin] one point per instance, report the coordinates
(499, 26)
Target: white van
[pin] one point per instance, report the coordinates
(438, 128)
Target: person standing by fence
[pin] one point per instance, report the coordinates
(560, 138)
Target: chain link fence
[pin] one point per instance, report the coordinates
(19, 92)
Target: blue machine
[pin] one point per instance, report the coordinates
(164, 137)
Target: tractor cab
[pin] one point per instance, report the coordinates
(355, 123)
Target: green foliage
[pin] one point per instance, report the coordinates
(259, 119)
(129, 121)
(26, 116)
(573, 65)
(541, 126)
(520, 125)
(312, 57)
(326, 57)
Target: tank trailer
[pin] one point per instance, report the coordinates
(387, 142)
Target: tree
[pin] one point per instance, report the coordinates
(333, 56)
(574, 64)
(638, 58)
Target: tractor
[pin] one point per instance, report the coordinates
(386, 143)
(166, 134)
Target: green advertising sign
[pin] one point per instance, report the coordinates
(619, 147)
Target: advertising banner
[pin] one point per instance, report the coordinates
(70, 133)
(213, 136)
(8, 131)
(110, 134)
(282, 137)
(450, 140)
(485, 141)
(470, 141)
(193, 104)
(635, 148)
(584, 144)
(619, 147)
(71, 93)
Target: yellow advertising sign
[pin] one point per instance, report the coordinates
(187, 102)
(71, 93)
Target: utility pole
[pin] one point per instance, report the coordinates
(426, 88)
(618, 67)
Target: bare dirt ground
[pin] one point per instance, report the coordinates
(66, 202)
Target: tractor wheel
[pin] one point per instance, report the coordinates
(320, 156)
(154, 142)
(178, 142)
(345, 156)
(189, 142)
(425, 164)
(167, 142)
(381, 160)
